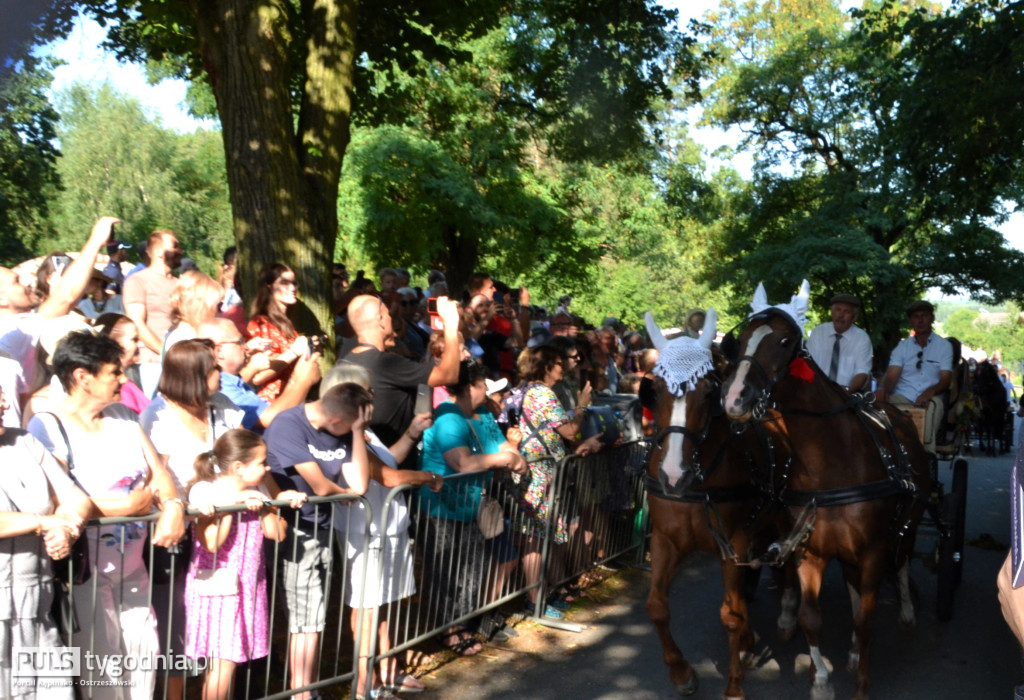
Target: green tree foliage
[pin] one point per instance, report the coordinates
(117, 161)
(495, 160)
(284, 74)
(28, 157)
(842, 194)
(990, 332)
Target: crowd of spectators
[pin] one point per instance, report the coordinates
(184, 400)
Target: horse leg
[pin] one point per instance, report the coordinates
(737, 626)
(908, 618)
(810, 571)
(785, 579)
(665, 558)
(853, 661)
(871, 570)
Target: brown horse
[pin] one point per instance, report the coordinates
(855, 482)
(702, 497)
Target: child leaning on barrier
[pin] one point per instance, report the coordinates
(226, 585)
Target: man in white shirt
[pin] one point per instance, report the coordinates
(920, 369)
(841, 349)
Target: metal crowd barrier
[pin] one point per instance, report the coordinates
(599, 499)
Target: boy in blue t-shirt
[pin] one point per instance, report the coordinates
(310, 449)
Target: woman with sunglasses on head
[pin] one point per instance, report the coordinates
(272, 322)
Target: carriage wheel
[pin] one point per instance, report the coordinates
(948, 555)
(958, 521)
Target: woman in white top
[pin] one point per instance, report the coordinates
(189, 413)
(106, 452)
(184, 420)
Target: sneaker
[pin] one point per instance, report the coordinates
(549, 611)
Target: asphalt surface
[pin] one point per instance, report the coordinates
(617, 655)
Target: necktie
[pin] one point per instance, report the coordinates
(833, 367)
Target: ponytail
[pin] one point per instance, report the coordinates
(206, 469)
(236, 445)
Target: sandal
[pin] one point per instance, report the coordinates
(571, 592)
(462, 642)
(405, 684)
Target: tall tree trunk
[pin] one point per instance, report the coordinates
(283, 168)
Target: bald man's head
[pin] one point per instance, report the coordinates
(218, 330)
(228, 344)
(648, 359)
(371, 320)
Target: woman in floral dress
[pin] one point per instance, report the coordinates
(545, 427)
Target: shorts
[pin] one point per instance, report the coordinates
(304, 562)
(389, 558)
(501, 548)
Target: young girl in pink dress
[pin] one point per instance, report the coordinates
(226, 586)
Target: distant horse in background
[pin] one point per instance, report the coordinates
(990, 425)
(702, 495)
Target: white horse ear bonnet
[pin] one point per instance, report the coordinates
(796, 309)
(683, 360)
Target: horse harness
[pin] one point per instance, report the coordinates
(711, 496)
(899, 472)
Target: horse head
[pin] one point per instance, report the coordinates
(767, 347)
(686, 398)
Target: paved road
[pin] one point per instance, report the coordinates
(618, 656)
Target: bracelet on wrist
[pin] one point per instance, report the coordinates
(180, 502)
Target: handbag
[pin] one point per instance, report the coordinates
(601, 420)
(213, 583)
(74, 569)
(490, 518)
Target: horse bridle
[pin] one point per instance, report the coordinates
(763, 402)
(697, 439)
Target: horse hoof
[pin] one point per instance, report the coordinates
(787, 633)
(853, 662)
(747, 659)
(825, 691)
(690, 686)
(907, 625)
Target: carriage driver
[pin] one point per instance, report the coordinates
(920, 370)
(840, 348)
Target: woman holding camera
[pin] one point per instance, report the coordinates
(272, 321)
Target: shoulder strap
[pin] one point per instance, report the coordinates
(63, 434)
(479, 442)
(535, 431)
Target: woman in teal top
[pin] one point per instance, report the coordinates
(461, 441)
